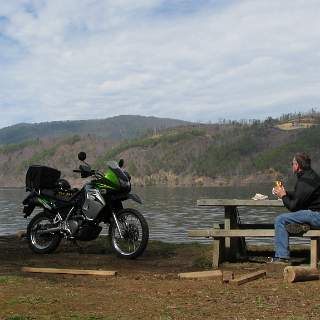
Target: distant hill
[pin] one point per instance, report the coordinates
(116, 128)
(217, 154)
(228, 153)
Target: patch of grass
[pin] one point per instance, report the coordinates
(9, 280)
(167, 249)
(30, 299)
(19, 317)
(259, 302)
(202, 263)
(165, 317)
(162, 249)
(91, 317)
(71, 294)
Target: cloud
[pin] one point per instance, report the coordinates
(193, 60)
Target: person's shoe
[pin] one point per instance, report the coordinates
(277, 260)
(297, 228)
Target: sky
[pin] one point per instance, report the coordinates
(195, 60)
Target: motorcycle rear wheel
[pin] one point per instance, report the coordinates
(135, 232)
(42, 243)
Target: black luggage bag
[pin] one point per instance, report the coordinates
(41, 177)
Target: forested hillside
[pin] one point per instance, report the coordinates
(212, 154)
(116, 128)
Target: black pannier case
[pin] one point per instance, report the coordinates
(41, 177)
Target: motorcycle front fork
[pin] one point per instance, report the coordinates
(117, 224)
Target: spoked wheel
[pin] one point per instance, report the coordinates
(134, 234)
(42, 242)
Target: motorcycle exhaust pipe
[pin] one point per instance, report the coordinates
(51, 230)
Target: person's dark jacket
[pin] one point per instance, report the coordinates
(306, 194)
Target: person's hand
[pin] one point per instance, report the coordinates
(279, 191)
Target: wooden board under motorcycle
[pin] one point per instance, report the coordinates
(77, 214)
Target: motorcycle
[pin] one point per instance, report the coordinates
(76, 214)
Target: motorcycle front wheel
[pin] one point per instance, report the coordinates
(42, 242)
(134, 234)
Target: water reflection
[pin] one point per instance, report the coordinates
(170, 212)
(11, 217)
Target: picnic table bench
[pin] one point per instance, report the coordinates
(229, 237)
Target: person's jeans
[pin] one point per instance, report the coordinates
(281, 234)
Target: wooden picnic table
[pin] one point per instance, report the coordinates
(229, 237)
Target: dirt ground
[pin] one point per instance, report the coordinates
(145, 288)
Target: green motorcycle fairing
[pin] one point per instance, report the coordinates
(114, 179)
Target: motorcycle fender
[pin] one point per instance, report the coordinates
(134, 197)
(29, 203)
(28, 209)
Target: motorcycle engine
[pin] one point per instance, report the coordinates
(73, 226)
(88, 232)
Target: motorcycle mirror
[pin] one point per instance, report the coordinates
(121, 163)
(82, 156)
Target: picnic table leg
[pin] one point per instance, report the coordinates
(314, 252)
(234, 247)
(218, 249)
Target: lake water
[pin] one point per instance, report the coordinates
(170, 212)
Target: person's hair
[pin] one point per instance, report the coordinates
(303, 160)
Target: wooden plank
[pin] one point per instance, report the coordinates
(200, 274)
(207, 233)
(242, 233)
(240, 202)
(70, 271)
(250, 226)
(295, 274)
(312, 233)
(249, 277)
(231, 233)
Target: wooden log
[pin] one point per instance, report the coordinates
(70, 271)
(295, 274)
(200, 274)
(227, 276)
(249, 277)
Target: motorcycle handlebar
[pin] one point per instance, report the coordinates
(91, 173)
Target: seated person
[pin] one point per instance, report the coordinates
(303, 202)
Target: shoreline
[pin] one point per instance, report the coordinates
(169, 179)
(258, 247)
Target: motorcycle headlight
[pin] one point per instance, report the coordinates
(125, 185)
